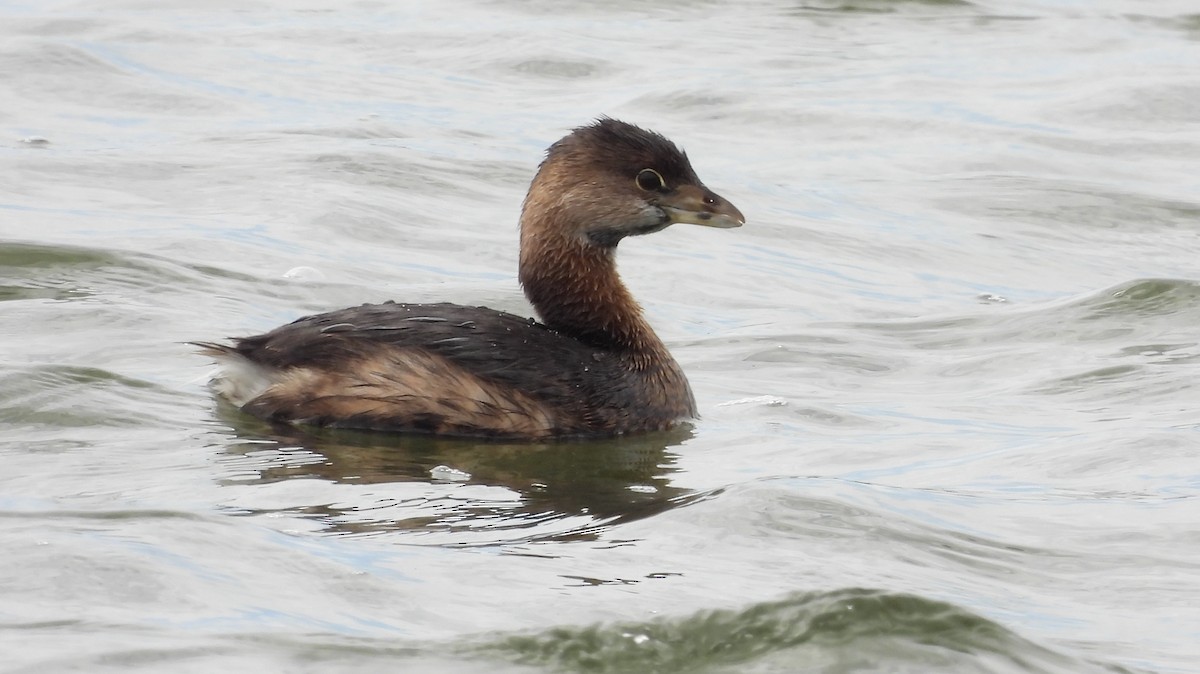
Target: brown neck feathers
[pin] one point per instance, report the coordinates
(575, 289)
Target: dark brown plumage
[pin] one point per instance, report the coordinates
(592, 367)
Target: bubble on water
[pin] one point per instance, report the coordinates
(448, 474)
(642, 489)
(304, 274)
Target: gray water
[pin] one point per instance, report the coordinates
(947, 371)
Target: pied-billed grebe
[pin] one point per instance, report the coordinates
(592, 367)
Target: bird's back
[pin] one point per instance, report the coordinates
(444, 369)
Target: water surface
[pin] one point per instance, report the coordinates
(946, 371)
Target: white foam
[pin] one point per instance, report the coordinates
(764, 401)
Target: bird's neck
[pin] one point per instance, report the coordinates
(575, 288)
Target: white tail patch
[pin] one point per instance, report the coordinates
(239, 380)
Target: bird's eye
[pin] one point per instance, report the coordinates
(650, 180)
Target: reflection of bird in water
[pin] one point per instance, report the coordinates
(552, 490)
(593, 367)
